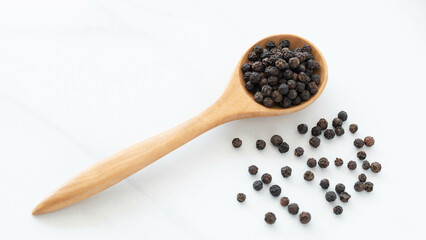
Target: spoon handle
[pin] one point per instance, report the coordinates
(121, 165)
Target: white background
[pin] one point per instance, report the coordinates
(80, 80)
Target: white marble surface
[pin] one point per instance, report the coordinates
(80, 80)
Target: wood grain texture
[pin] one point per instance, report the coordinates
(235, 103)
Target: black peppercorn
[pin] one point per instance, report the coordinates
(302, 128)
(369, 186)
(275, 190)
(330, 196)
(257, 185)
(268, 102)
(369, 141)
(353, 128)
(315, 78)
(272, 70)
(316, 131)
(258, 67)
(312, 162)
(294, 62)
(258, 97)
(375, 167)
(322, 123)
(236, 142)
(276, 96)
(283, 147)
(252, 56)
(270, 218)
(258, 49)
(299, 151)
(266, 178)
(324, 183)
(276, 140)
(342, 115)
(329, 134)
(362, 177)
(285, 103)
(273, 80)
(305, 217)
(284, 201)
(267, 90)
(285, 43)
(246, 67)
(339, 131)
(293, 208)
(270, 45)
(312, 64)
(308, 176)
(359, 186)
(358, 143)
(340, 187)
(344, 196)
(361, 155)
(283, 89)
(292, 94)
(313, 88)
(306, 48)
(260, 144)
(305, 95)
(301, 68)
(263, 82)
(281, 64)
(352, 165)
(314, 142)
(303, 78)
(291, 84)
(366, 165)
(338, 210)
(249, 86)
(338, 162)
(253, 169)
(296, 101)
(241, 197)
(286, 171)
(337, 122)
(323, 162)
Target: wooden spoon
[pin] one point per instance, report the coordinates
(235, 103)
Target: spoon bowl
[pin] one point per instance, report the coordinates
(235, 103)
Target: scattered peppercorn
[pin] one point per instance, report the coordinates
(362, 177)
(361, 155)
(316, 131)
(339, 131)
(344, 196)
(270, 218)
(275, 190)
(329, 134)
(324, 183)
(241, 197)
(305, 217)
(338, 162)
(323, 162)
(340, 187)
(330, 196)
(359, 186)
(302, 128)
(352, 165)
(283, 147)
(299, 151)
(369, 186)
(369, 141)
(314, 142)
(253, 169)
(375, 167)
(353, 128)
(312, 162)
(293, 208)
(309, 176)
(358, 143)
(286, 171)
(257, 185)
(284, 201)
(338, 210)
(322, 123)
(260, 144)
(276, 140)
(337, 122)
(266, 178)
(236, 142)
(366, 165)
(342, 115)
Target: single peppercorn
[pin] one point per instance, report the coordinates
(270, 45)
(270, 218)
(236, 142)
(241, 197)
(358, 143)
(316, 131)
(359, 186)
(258, 49)
(329, 134)
(285, 43)
(283, 89)
(352, 165)
(369, 141)
(340, 187)
(305, 217)
(369, 186)
(312, 162)
(366, 165)
(258, 97)
(257, 185)
(275, 190)
(253, 169)
(323, 162)
(302, 128)
(315, 78)
(362, 177)
(324, 183)
(337, 122)
(338, 162)
(284, 201)
(293, 208)
(258, 66)
(266, 178)
(314, 142)
(286, 171)
(342, 115)
(339, 131)
(268, 102)
(294, 62)
(375, 167)
(299, 151)
(322, 123)
(361, 155)
(308, 176)
(338, 210)
(276, 96)
(330, 196)
(260, 144)
(283, 147)
(344, 196)
(246, 67)
(276, 140)
(353, 128)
